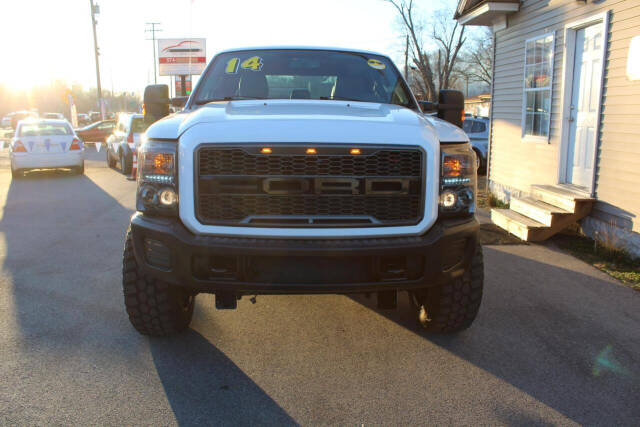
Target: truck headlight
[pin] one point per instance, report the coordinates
(157, 178)
(457, 180)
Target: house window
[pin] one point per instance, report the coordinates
(538, 73)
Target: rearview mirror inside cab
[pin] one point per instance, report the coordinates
(156, 102)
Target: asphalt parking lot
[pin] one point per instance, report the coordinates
(556, 341)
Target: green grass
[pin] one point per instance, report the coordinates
(617, 263)
(486, 200)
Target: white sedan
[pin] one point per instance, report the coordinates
(45, 144)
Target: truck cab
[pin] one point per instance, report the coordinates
(303, 170)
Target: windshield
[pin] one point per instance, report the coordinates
(303, 74)
(42, 129)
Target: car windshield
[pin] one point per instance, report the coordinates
(138, 125)
(303, 74)
(44, 129)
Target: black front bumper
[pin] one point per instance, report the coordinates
(165, 249)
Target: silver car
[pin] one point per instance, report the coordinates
(477, 129)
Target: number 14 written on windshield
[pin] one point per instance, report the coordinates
(254, 64)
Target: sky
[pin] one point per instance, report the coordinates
(46, 40)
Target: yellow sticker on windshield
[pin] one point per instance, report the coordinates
(254, 63)
(378, 65)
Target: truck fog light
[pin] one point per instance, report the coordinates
(168, 197)
(448, 199)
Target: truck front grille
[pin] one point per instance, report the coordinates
(239, 185)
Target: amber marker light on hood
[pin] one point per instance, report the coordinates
(266, 150)
(355, 151)
(311, 151)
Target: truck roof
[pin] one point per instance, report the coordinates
(294, 47)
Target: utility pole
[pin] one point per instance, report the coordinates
(153, 31)
(467, 78)
(406, 60)
(95, 9)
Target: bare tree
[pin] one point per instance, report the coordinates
(478, 58)
(435, 64)
(449, 37)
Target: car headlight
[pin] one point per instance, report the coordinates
(157, 178)
(457, 180)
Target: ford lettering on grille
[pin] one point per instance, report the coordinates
(241, 186)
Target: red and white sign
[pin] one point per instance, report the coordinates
(181, 56)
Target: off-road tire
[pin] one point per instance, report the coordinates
(154, 307)
(452, 307)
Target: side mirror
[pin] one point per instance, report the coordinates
(451, 106)
(156, 102)
(427, 106)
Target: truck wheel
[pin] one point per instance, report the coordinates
(452, 307)
(154, 307)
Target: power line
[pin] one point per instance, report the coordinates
(153, 31)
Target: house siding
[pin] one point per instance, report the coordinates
(517, 164)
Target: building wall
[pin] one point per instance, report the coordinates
(477, 107)
(517, 164)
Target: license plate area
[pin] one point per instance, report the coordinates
(308, 270)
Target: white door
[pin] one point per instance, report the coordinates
(585, 97)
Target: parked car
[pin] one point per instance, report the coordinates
(97, 132)
(20, 115)
(45, 144)
(124, 139)
(477, 129)
(6, 121)
(83, 119)
(53, 116)
(94, 116)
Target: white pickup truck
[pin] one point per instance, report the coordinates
(303, 170)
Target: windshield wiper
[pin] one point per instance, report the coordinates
(226, 98)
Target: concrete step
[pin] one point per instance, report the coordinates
(538, 210)
(519, 225)
(563, 197)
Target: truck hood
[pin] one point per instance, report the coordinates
(305, 121)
